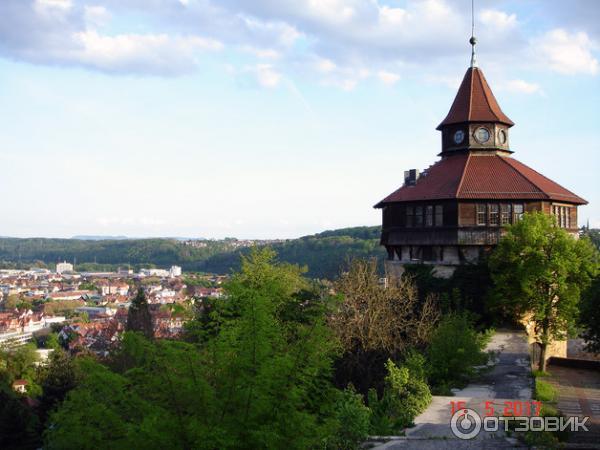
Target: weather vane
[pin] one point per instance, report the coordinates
(473, 39)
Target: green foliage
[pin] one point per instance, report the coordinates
(19, 362)
(48, 341)
(59, 376)
(353, 421)
(88, 287)
(405, 395)
(260, 380)
(466, 291)
(541, 270)
(455, 348)
(593, 234)
(19, 427)
(138, 316)
(544, 391)
(590, 316)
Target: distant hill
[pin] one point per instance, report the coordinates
(100, 238)
(324, 253)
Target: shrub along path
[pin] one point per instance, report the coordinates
(509, 380)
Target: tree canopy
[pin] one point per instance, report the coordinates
(539, 272)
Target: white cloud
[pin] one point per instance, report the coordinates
(567, 53)
(388, 78)
(153, 53)
(523, 87)
(96, 16)
(498, 19)
(333, 11)
(46, 5)
(393, 16)
(334, 39)
(267, 76)
(262, 53)
(325, 65)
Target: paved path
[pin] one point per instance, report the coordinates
(578, 395)
(509, 380)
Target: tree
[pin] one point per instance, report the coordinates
(590, 316)
(57, 378)
(19, 427)
(19, 362)
(261, 379)
(375, 322)
(455, 348)
(138, 316)
(539, 272)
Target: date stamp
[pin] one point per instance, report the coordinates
(514, 408)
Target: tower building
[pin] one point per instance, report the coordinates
(453, 212)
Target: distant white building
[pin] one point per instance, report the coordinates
(175, 271)
(154, 273)
(64, 267)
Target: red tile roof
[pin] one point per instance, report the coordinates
(475, 102)
(482, 176)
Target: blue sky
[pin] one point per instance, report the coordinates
(268, 119)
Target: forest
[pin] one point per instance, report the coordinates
(321, 252)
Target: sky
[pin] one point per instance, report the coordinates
(271, 118)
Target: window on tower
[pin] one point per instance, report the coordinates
(493, 214)
(429, 216)
(481, 214)
(410, 214)
(439, 215)
(504, 214)
(517, 213)
(562, 215)
(418, 216)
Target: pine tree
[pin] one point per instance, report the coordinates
(138, 317)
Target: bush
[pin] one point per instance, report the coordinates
(353, 419)
(405, 395)
(455, 348)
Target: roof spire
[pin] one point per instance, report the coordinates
(473, 39)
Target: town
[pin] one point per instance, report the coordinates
(88, 310)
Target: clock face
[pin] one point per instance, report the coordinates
(459, 136)
(502, 136)
(482, 135)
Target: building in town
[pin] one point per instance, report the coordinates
(64, 267)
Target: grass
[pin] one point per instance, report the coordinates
(540, 374)
(544, 391)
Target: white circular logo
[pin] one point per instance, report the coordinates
(465, 423)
